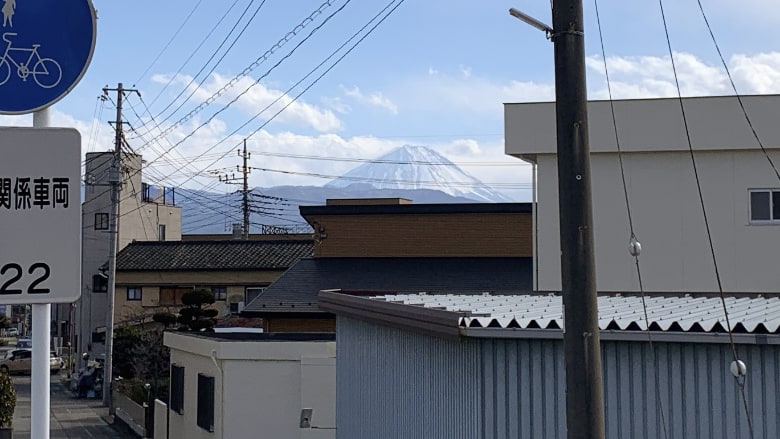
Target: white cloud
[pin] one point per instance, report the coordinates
(259, 97)
(650, 76)
(337, 104)
(377, 99)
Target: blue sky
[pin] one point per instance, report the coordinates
(433, 73)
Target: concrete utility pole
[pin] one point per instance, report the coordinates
(245, 192)
(115, 180)
(584, 388)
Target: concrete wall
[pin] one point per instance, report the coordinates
(261, 387)
(665, 206)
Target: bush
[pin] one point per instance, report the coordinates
(7, 400)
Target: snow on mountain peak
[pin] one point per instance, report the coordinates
(418, 167)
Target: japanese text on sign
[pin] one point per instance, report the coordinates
(24, 193)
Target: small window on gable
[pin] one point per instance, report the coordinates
(134, 293)
(764, 206)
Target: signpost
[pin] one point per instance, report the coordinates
(46, 48)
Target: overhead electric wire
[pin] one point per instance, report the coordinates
(302, 25)
(221, 58)
(315, 81)
(195, 51)
(387, 180)
(383, 161)
(633, 241)
(736, 93)
(740, 383)
(175, 34)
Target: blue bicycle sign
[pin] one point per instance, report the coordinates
(46, 72)
(45, 48)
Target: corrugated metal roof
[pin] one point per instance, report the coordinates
(679, 314)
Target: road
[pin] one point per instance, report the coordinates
(70, 417)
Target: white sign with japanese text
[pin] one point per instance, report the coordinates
(40, 215)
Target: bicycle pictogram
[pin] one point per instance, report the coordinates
(46, 72)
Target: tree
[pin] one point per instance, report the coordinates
(194, 317)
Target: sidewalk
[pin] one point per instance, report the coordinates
(70, 417)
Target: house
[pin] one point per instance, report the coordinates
(146, 213)
(394, 245)
(237, 385)
(152, 276)
(738, 184)
(491, 366)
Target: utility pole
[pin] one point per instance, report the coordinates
(115, 181)
(245, 192)
(231, 179)
(584, 388)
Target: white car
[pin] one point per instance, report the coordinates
(11, 332)
(20, 361)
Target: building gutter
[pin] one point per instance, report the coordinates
(417, 318)
(633, 336)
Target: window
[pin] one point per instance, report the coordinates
(101, 221)
(220, 293)
(205, 402)
(172, 295)
(133, 293)
(99, 283)
(252, 293)
(177, 389)
(765, 205)
(161, 232)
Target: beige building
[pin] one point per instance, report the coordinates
(741, 191)
(152, 276)
(146, 213)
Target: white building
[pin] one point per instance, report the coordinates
(255, 386)
(741, 191)
(146, 213)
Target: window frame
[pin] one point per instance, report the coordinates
(99, 283)
(102, 223)
(205, 401)
(221, 295)
(771, 195)
(134, 298)
(177, 388)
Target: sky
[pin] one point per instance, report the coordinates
(432, 73)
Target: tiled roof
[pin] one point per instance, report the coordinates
(676, 314)
(296, 290)
(212, 255)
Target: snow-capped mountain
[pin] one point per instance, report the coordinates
(418, 167)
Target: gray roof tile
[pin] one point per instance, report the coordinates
(212, 255)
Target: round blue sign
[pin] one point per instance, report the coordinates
(45, 48)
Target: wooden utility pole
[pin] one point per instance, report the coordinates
(584, 388)
(245, 192)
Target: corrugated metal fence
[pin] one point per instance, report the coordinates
(394, 383)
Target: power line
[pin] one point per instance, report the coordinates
(279, 44)
(221, 58)
(740, 383)
(173, 37)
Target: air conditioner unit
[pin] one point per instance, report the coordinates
(236, 307)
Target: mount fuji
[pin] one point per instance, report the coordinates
(417, 173)
(418, 167)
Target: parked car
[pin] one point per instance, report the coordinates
(11, 332)
(24, 343)
(20, 361)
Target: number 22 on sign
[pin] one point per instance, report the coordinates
(13, 274)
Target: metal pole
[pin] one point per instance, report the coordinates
(40, 380)
(115, 181)
(584, 388)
